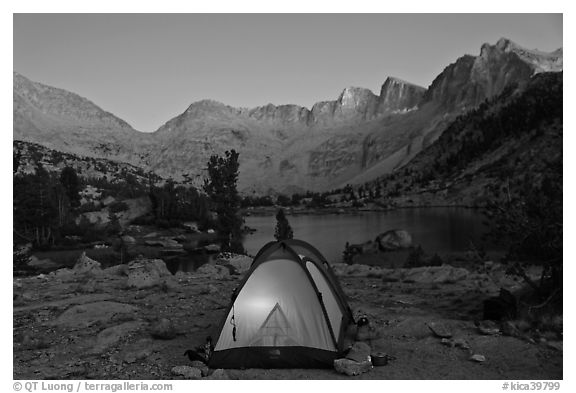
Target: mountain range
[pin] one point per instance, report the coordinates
(354, 139)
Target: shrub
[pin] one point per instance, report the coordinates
(415, 258)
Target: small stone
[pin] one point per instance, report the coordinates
(351, 367)
(478, 358)
(461, 343)
(187, 372)
(488, 328)
(447, 341)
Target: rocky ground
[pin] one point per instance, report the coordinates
(136, 321)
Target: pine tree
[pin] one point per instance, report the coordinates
(71, 183)
(283, 229)
(221, 188)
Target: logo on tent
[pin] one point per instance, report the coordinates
(275, 331)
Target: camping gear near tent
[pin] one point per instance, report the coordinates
(288, 312)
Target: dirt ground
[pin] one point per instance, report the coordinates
(95, 327)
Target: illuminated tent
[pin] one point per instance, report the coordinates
(288, 312)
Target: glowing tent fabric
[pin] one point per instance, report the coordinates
(288, 311)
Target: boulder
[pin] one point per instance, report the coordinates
(394, 240)
(85, 265)
(85, 315)
(163, 329)
(360, 352)
(213, 271)
(187, 372)
(42, 263)
(351, 367)
(146, 273)
(128, 240)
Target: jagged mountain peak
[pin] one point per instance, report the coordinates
(539, 60)
(355, 96)
(505, 43)
(396, 80)
(472, 79)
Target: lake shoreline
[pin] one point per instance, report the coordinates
(439, 229)
(289, 210)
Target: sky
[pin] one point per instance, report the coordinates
(148, 68)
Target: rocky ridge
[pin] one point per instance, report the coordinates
(352, 139)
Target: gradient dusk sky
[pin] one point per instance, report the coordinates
(147, 68)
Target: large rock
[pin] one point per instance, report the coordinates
(351, 367)
(214, 271)
(394, 240)
(146, 273)
(85, 315)
(42, 263)
(360, 352)
(85, 265)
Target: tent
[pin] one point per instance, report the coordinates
(288, 312)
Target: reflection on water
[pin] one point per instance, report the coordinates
(437, 230)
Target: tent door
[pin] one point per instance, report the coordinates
(275, 331)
